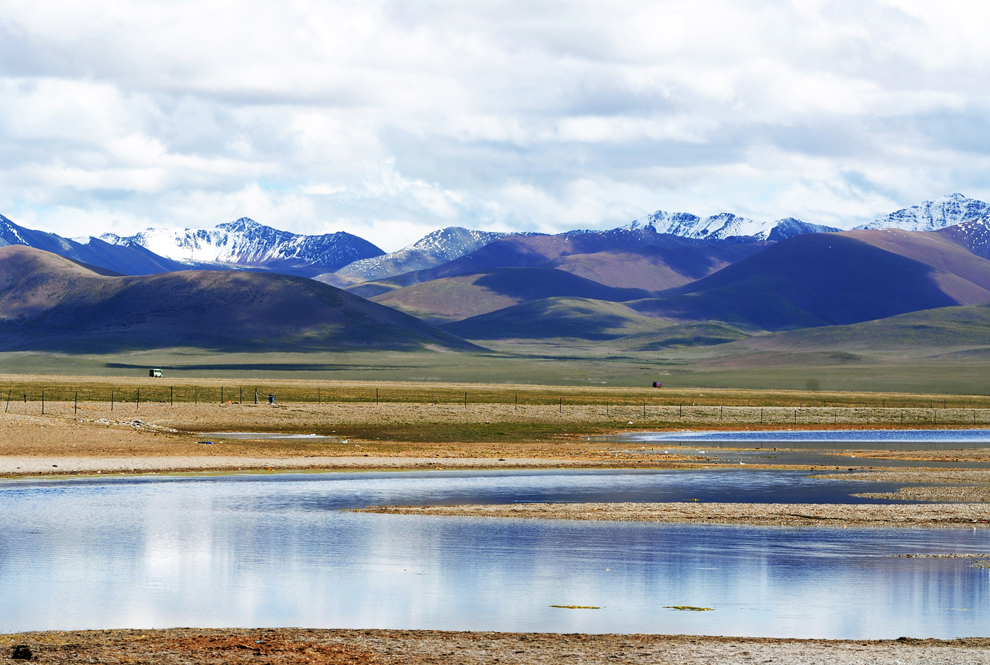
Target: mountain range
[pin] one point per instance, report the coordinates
(669, 279)
(431, 250)
(247, 245)
(343, 259)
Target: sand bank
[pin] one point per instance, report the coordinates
(35, 466)
(760, 514)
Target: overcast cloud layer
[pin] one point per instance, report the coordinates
(391, 119)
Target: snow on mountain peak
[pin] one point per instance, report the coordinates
(933, 215)
(431, 250)
(717, 227)
(246, 243)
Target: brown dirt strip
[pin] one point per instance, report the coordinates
(289, 646)
(759, 514)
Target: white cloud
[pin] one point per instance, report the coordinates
(390, 118)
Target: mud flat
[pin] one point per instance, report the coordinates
(385, 647)
(758, 514)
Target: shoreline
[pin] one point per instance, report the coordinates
(939, 515)
(284, 646)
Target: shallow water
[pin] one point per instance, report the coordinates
(277, 551)
(889, 439)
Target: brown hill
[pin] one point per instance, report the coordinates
(461, 297)
(48, 302)
(619, 258)
(940, 251)
(827, 279)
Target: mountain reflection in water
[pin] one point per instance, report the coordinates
(277, 551)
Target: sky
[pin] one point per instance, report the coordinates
(392, 119)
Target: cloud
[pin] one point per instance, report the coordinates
(390, 119)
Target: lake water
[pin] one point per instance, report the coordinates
(276, 550)
(889, 439)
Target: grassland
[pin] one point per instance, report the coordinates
(540, 365)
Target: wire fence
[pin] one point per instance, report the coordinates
(910, 410)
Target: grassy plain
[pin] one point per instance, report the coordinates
(563, 363)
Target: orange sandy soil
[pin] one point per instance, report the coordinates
(387, 647)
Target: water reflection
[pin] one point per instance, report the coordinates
(882, 439)
(274, 552)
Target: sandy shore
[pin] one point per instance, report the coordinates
(385, 647)
(761, 514)
(37, 466)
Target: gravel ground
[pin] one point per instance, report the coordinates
(387, 647)
(980, 493)
(764, 514)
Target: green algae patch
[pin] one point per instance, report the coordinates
(577, 607)
(689, 608)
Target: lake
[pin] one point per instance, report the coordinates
(277, 550)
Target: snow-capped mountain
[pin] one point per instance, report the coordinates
(724, 226)
(91, 251)
(933, 215)
(429, 251)
(248, 244)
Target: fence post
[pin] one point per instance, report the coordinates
(42, 402)
(111, 399)
(170, 390)
(137, 404)
(75, 403)
(8, 401)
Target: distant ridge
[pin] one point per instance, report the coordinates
(429, 251)
(91, 251)
(725, 226)
(933, 215)
(246, 244)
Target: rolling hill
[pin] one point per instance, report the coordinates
(461, 297)
(815, 280)
(547, 318)
(589, 320)
(958, 333)
(51, 303)
(620, 258)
